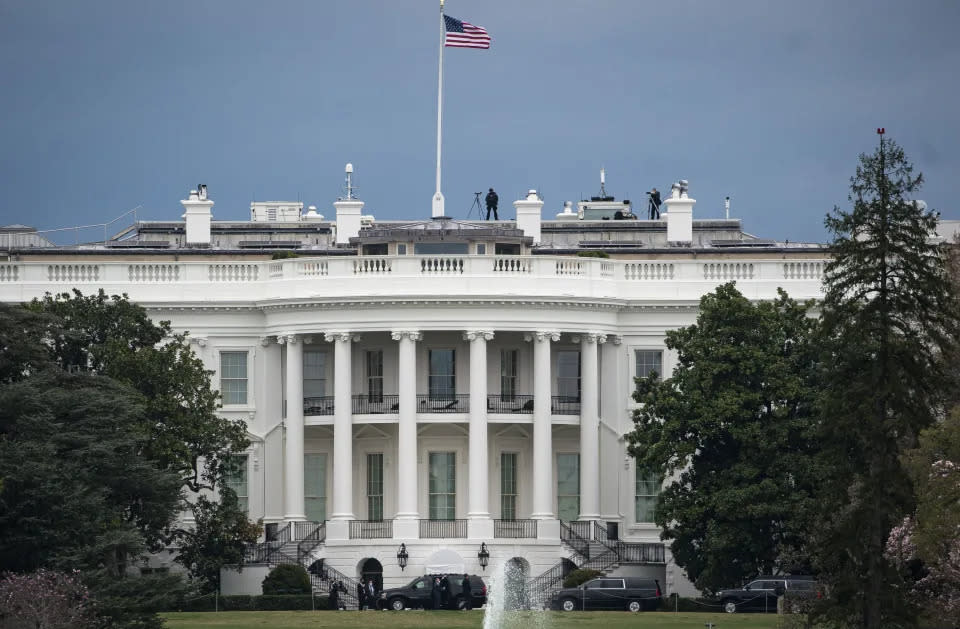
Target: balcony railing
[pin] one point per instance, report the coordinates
(371, 529)
(443, 403)
(510, 404)
(443, 529)
(565, 405)
(643, 552)
(515, 528)
(322, 405)
(375, 404)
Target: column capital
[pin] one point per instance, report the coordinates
(340, 335)
(201, 341)
(264, 341)
(413, 335)
(542, 337)
(617, 339)
(287, 339)
(594, 337)
(471, 335)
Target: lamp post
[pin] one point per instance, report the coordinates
(484, 555)
(402, 556)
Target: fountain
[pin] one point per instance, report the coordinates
(508, 604)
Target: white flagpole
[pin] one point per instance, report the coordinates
(438, 197)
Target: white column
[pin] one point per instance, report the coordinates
(589, 427)
(293, 505)
(342, 425)
(542, 428)
(478, 500)
(407, 429)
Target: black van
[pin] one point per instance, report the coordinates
(629, 593)
(417, 593)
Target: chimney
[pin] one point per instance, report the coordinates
(528, 215)
(348, 219)
(679, 215)
(197, 216)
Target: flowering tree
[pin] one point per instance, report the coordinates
(45, 600)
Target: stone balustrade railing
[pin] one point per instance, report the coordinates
(534, 276)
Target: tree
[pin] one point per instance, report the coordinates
(889, 317)
(731, 430)
(218, 539)
(45, 600)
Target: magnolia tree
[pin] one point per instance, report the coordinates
(937, 586)
(45, 600)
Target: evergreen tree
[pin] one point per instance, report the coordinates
(731, 430)
(889, 318)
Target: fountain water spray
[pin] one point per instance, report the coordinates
(508, 601)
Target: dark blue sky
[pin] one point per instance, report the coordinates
(111, 104)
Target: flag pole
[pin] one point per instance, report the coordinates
(438, 196)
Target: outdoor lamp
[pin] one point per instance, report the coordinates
(402, 556)
(483, 555)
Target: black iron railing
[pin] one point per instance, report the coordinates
(540, 588)
(313, 538)
(371, 529)
(514, 528)
(375, 404)
(443, 529)
(641, 552)
(322, 405)
(580, 528)
(565, 405)
(571, 536)
(443, 403)
(511, 404)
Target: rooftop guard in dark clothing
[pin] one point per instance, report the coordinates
(492, 200)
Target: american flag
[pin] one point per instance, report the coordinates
(462, 34)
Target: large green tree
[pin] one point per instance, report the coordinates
(731, 430)
(889, 318)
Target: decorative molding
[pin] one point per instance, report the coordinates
(264, 341)
(199, 340)
(542, 336)
(617, 339)
(472, 335)
(341, 336)
(413, 335)
(595, 337)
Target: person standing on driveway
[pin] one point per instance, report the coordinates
(361, 595)
(467, 593)
(435, 593)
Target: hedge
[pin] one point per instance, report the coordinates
(247, 603)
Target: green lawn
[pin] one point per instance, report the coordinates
(471, 620)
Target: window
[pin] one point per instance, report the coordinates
(233, 377)
(401, 249)
(508, 374)
(645, 495)
(649, 361)
(375, 375)
(315, 486)
(440, 248)
(375, 487)
(378, 249)
(443, 378)
(504, 249)
(235, 478)
(314, 373)
(568, 375)
(443, 485)
(508, 485)
(568, 487)
(481, 249)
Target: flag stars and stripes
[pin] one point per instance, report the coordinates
(460, 34)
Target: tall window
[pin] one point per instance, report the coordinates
(508, 485)
(315, 486)
(568, 374)
(649, 361)
(568, 486)
(645, 495)
(443, 374)
(314, 373)
(375, 375)
(233, 377)
(235, 477)
(443, 485)
(375, 486)
(508, 374)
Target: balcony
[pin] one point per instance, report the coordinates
(514, 529)
(510, 404)
(443, 529)
(371, 529)
(565, 405)
(322, 405)
(443, 403)
(375, 404)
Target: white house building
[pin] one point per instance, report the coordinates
(456, 387)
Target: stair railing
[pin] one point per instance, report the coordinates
(574, 541)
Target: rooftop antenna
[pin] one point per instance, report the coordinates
(349, 171)
(603, 180)
(726, 207)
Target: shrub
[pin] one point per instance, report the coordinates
(287, 578)
(246, 603)
(283, 255)
(45, 599)
(580, 575)
(593, 254)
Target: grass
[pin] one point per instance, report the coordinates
(465, 620)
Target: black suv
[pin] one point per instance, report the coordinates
(761, 594)
(418, 592)
(629, 593)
